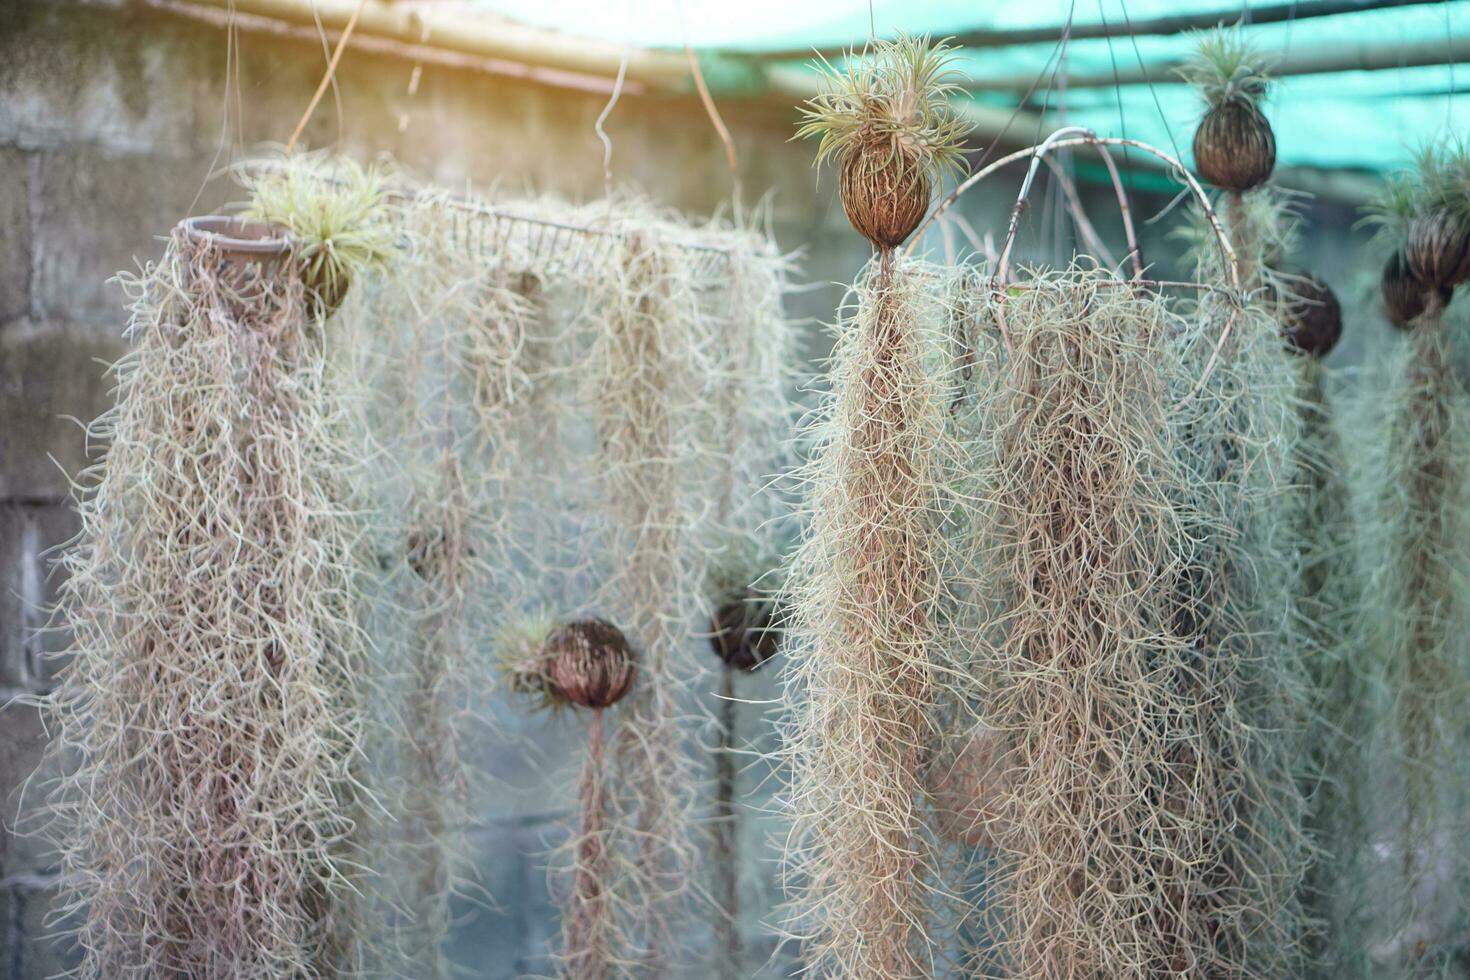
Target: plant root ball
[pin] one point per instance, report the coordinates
(1313, 321)
(1404, 294)
(590, 663)
(1438, 249)
(744, 632)
(326, 296)
(1234, 147)
(884, 202)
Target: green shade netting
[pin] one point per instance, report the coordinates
(1347, 119)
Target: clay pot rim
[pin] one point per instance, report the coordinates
(238, 237)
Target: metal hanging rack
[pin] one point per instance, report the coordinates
(559, 247)
(1077, 136)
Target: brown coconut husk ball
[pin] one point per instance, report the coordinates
(744, 632)
(1404, 295)
(590, 663)
(1234, 146)
(1437, 249)
(884, 201)
(1313, 317)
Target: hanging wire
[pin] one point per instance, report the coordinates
(607, 178)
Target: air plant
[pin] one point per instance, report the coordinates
(863, 675)
(1437, 241)
(1235, 603)
(1312, 321)
(586, 663)
(1234, 147)
(1390, 214)
(886, 120)
(1405, 297)
(1421, 621)
(211, 823)
(335, 210)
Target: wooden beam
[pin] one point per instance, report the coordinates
(1272, 13)
(499, 46)
(475, 35)
(1337, 57)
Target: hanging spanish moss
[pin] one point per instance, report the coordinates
(862, 671)
(589, 664)
(1328, 597)
(1418, 479)
(441, 347)
(211, 825)
(867, 588)
(1097, 830)
(744, 632)
(643, 382)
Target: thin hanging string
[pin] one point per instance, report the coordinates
(1118, 91)
(1449, 43)
(607, 178)
(321, 89)
(731, 161)
(321, 33)
(232, 80)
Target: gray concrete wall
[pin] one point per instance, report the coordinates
(112, 116)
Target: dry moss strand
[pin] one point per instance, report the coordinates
(642, 383)
(860, 682)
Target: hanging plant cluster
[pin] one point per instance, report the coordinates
(348, 444)
(867, 589)
(214, 819)
(1416, 623)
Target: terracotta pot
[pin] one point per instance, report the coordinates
(237, 240)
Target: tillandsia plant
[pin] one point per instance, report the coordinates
(1390, 213)
(1420, 528)
(868, 580)
(586, 663)
(1234, 147)
(335, 210)
(885, 119)
(1098, 826)
(1437, 240)
(212, 707)
(1236, 605)
(1327, 599)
